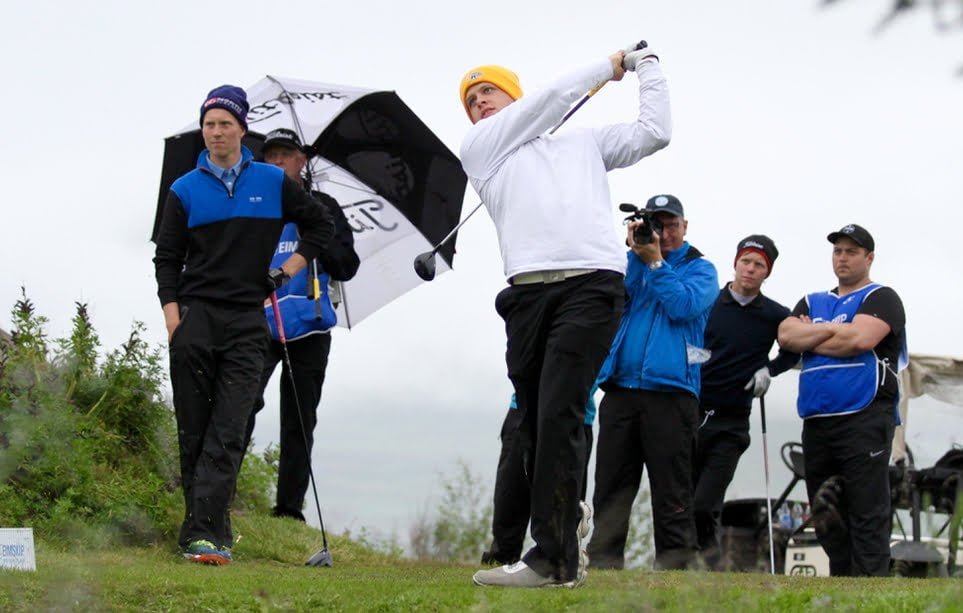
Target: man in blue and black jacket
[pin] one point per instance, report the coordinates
(220, 227)
(307, 319)
(740, 333)
(649, 414)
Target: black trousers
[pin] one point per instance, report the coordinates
(309, 361)
(654, 430)
(857, 447)
(512, 501)
(720, 442)
(216, 355)
(558, 337)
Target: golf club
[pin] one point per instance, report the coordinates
(640, 45)
(425, 263)
(765, 463)
(323, 557)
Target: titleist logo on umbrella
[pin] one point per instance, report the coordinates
(274, 106)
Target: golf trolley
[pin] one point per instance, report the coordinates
(745, 536)
(934, 493)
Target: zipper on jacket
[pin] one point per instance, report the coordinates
(230, 192)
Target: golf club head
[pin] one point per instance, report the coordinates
(425, 265)
(322, 558)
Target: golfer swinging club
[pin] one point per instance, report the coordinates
(548, 196)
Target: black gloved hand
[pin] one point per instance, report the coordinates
(277, 278)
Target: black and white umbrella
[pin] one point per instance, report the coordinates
(399, 186)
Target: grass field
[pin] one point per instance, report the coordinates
(269, 575)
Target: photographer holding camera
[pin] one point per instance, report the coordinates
(648, 417)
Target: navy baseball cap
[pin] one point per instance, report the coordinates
(665, 203)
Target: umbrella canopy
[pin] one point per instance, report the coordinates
(399, 186)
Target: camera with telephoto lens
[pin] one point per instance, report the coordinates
(643, 232)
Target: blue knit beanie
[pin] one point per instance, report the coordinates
(230, 98)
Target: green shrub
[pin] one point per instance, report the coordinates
(460, 530)
(87, 447)
(256, 482)
(639, 544)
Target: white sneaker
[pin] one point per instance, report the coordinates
(520, 574)
(582, 532)
(582, 572)
(583, 524)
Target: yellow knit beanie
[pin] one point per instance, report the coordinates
(499, 76)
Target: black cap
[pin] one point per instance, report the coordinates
(857, 234)
(282, 137)
(665, 203)
(761, 244)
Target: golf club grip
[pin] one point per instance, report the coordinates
(595, 89)
(317, 297)
(277, 317)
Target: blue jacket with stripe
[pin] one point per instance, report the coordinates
(216, 244)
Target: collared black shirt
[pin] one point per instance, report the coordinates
(740, 338)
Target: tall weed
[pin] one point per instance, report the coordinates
(88, 448)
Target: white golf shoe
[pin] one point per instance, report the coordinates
(520, 574)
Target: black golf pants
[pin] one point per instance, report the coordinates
(644, 429)
(857, 447)
(216, 354)
(720, 442)
(558, 337)
(309, 361)
(512, 501)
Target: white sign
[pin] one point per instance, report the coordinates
(16, 549)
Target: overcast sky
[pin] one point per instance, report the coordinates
(788, 120)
